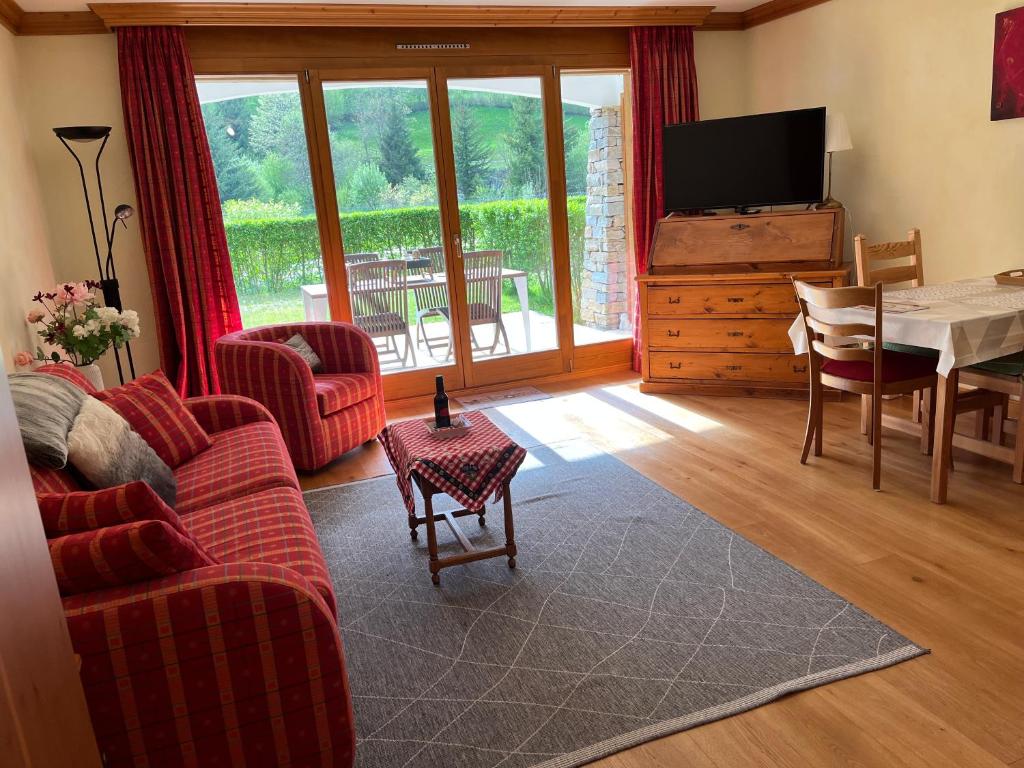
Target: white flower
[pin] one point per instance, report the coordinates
(80, 331)
(107, 315)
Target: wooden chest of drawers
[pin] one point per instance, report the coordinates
(718, 304)
(724, 334)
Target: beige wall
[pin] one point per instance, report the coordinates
(913, 78)
(721, 59)
(24, 254)
(75, 82)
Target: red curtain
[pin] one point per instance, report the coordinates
(664, 93)
(179, 208)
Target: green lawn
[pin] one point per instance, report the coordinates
(286, 307)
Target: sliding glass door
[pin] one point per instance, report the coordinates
(471, 220)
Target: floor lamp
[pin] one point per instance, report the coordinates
(84, 134)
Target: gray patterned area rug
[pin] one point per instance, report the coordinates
(631, 615)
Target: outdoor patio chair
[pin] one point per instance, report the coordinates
(432, 300)
(361, 258)
(483, 292)
(380, 306)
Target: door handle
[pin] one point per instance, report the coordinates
(457, 242)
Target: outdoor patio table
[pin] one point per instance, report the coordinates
(968, 322)
(314, 297)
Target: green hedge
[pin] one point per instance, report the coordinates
(269, 255)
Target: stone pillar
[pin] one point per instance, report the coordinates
(603, 301)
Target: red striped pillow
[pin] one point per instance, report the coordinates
(158, 414)
(65, 513)
(122, 554)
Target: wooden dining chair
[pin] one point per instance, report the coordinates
(863, 369)
(380, 303)
(1004, 376)
(898, 264)
(483, 293)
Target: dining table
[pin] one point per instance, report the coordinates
(315, 307)
(966, 321)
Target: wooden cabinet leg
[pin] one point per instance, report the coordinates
(865, 414)
(916, 418)
(945, 415)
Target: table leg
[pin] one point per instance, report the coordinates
(428, 509)
(945, 417)
(510, 534)
(524, 307)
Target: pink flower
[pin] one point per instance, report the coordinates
(23, 359)
(34, 316)
(73, 293)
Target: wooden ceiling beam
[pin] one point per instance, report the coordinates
(106, 16)
(416, 16)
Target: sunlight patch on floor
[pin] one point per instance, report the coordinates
(663, 408)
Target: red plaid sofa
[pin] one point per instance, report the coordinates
(321, 415)
(237, 663)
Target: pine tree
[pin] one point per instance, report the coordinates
(398, 157)
(527, 169)
(472, 156)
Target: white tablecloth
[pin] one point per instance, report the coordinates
(968, 322)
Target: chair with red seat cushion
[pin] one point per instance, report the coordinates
(867, 369)
(320, 415)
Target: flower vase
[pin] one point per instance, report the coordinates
(93, 373)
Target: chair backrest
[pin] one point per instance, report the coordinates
(820, 333)
(376, 289)
(361, 258)
(436, 255)
(483, 278)
(890, 264)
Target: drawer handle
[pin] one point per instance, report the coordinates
(734, 367)
(734, 334)
(674, 334)
(740, 227)
(674, 299)
(675, 366)
(735, 299)
(799, 369)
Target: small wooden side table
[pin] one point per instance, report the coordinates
(471, 554)
(469, 468)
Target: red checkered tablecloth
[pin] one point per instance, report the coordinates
(468, 468)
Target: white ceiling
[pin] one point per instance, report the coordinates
(720, 5)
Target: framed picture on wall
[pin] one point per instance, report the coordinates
(1008, 66)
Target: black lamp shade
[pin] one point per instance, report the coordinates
(83, 133)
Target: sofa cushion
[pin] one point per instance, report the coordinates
(155, 410)
(271, 526)
(107, 452)
(46, 480)
(340, 390)
(896, 366)
(241, 461)
(65, 513)
(122, 554)
(69, 372)
(46, 407)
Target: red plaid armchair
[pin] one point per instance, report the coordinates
(321, 415)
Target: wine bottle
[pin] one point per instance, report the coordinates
(442, 417)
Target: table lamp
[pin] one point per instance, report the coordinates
(837, 139)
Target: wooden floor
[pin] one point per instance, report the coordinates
(950, 578)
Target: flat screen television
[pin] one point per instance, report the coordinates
(742, 162)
